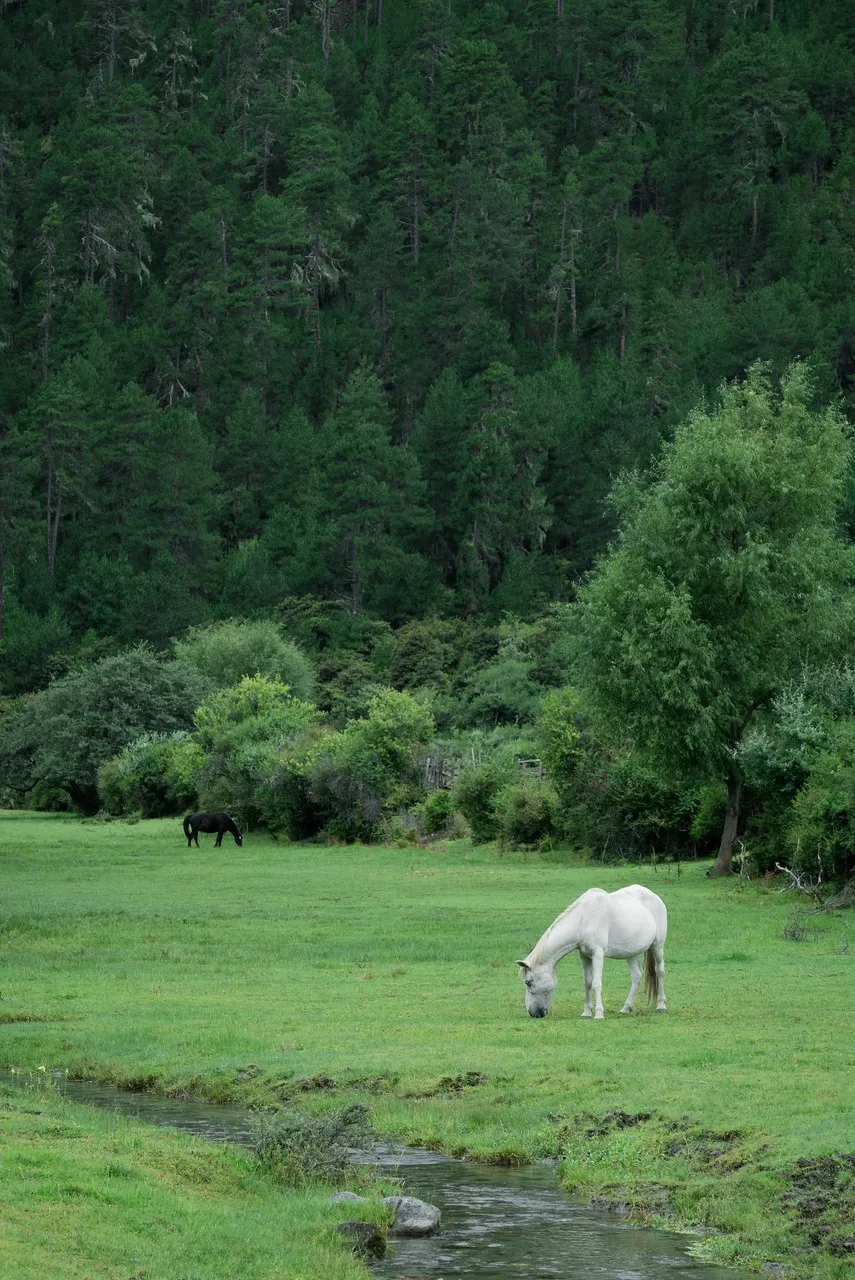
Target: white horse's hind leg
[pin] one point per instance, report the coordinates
(635, 970)
(659, 957)
(587, 974)
(597, 974)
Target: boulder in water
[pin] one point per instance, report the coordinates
(413, 1217)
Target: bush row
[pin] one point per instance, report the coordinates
(155, 736)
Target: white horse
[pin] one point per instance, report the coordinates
(623, 925)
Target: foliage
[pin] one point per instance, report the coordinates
(226, 651)
(347, 682)
(638, 813)
(527, 813)
(29, 647)
(256, 738)
(435, 812)
(502, 692)
(156, 776)
(560, 734)
(727, 575)
(302, 1148)
(64, 734)
(820, 835)
(452, 269)
(475, 796)
(370, 767)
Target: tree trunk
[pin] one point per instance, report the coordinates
(556, 318)
(84, 795)
(724, 861)
(54, 513)
(572, 288)
(355, 580)
(415, 236)
(576, 82)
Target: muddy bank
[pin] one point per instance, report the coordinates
(790, 1219)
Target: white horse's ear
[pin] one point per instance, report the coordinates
(522, 964)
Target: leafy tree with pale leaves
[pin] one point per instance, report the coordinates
(728, 573)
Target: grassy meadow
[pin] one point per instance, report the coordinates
(87, 1193)
(315, 975)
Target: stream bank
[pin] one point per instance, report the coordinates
(513, 1221)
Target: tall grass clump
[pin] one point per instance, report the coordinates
(301, 1148)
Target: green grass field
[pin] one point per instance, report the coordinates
(389, 975)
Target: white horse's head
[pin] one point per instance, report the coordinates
(540, 983)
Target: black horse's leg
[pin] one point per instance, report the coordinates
(196, 836)
(219, 840)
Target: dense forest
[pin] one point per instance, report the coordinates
(348, 313)
(370, 301)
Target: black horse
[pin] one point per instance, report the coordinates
(207, 822)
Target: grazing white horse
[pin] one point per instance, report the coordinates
(623, 925)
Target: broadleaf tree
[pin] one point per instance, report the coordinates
(728, 573)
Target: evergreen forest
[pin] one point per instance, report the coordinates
(353, 356)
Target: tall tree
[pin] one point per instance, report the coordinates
(729, 572)
(370, 501)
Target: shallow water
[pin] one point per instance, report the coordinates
(497, 1221)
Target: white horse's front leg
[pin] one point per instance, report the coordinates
(635, 970)
(597, 979)
(659, 957)
(588, 977)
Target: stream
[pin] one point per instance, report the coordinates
(497, 1221)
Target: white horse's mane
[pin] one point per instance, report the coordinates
(555, 923)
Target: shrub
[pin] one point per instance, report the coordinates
(475, 796)
(502, 692)
(423, 654)
(257, 738)
(156, 776)
(436, 812)
(301, 1148)
(560, 734)
(64, 734)
(226, 651)
(820, 831)
(527, 813)
(371, 767)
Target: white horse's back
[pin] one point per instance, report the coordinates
(620, 924)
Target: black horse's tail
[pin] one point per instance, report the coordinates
(187, 831)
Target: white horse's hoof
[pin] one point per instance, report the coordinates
(626, 1010)
(587, 1014)
(599, 1015)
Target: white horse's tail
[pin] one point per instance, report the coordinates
(650, 982)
